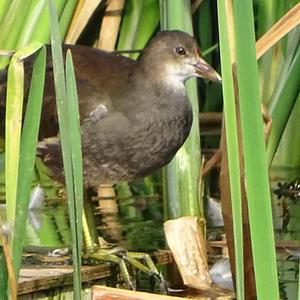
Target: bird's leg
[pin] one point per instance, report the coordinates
(88, 239)
(92, 250)
(124, 259)
(106, 255)
(90, 242)
(94, 243)
(150, 267)
(108, 208)
(134, 259)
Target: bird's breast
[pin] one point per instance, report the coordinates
(135, 146)
(159, 140)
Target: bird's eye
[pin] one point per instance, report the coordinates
(180, 51)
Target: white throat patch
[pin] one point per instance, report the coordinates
(175, 76)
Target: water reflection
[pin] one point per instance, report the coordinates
(142, 228)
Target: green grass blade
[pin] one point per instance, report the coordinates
(232, 147)
(13, 119)
(27, 21)
(282, 105)
(256, 175)
(182, 183)
(286, 162)
(65, 127)
(28, 149)
(41, 31)
(12, 24)
(139, 22)
(4, 6)
(75, 138)
(30, 23)
(66, 17)
(148, 22)
(13, 123)
(3, 276)
(205, 27)
(163, 14)
(133, 9)
(269, 64)
(298, 286)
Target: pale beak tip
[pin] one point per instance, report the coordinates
(218, 79)
(204, 70)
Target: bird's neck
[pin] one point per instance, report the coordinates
(151, 99)
(159, 75)
(155, 88)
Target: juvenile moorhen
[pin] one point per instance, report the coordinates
(135, 115)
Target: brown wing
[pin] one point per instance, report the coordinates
(99, 75)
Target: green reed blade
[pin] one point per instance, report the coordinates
(13, 119)
(255, 166)
(65, 128)
(28, 152)
(76, 155)
(232, 147)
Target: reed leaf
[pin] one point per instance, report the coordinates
(13, 123)
(130, 21)
(66, 16)
(269, 64)
(28, 150)
(4, 6)
(140, 20)
(28, 27)
(148, 22)
(280, 110)
(12, 24)
(232, 144)
(11, 27)
(298, 286)
(3, 276)
(76, 203)
(255, 166)
(70, 143)
(205, 28)
(41, 31)
(287, 23)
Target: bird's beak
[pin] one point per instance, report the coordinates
(204, 70)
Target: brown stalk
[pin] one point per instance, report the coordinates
(287, 23)
(110, 25)
(83, 12)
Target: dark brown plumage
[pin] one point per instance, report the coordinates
(135, 115)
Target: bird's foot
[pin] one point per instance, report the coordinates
(128, 263)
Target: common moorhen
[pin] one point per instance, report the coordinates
(135, 115)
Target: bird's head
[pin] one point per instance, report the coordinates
(176, 56)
